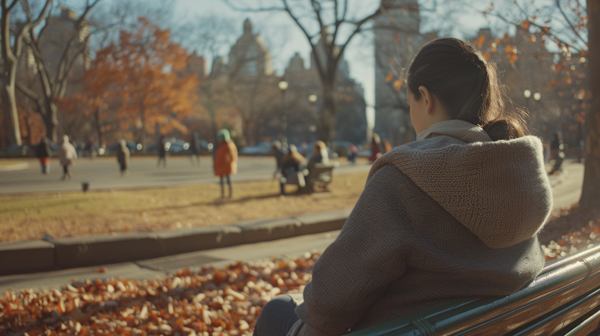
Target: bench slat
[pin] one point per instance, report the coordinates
(586, 327)
(558, 319)
(494, 316)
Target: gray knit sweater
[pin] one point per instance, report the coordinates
(451, 215)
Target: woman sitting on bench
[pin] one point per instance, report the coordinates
(454, 214)
(318, 155)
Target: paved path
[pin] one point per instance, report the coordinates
(103, 174)
(566, 191)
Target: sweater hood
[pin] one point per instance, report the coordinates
(498, 190)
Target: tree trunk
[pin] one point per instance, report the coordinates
(9, 105)
(28, 128)
(8, 97)
(98, 126)
(327, 117)
(590, 194)
(51, 120)
(143, 137)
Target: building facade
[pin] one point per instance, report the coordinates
(397, 40)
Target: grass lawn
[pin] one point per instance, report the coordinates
(32, 216)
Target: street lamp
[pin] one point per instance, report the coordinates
(527, 94)
(283, 86)
(312, 99)
(537, 96)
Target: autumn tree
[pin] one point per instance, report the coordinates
(142, 70)
(328, 26)
(574, 27)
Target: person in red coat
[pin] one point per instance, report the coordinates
(226, 159)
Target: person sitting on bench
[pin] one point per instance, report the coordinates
(318, 155)
(291, 169)
(454, 214)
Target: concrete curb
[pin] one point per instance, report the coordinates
(40, 256)
(13, 167)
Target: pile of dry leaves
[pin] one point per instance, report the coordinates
(207, 302)
(569, 230)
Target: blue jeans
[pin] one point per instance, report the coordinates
(277, 317)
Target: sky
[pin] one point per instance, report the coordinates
(284, 39)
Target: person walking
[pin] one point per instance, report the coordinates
(162, 152)
(556, 153)
(226, 159)
(89, 148)
(352, 153)
(67, 156)
(42, 151)
(454, 214)
(195, 149)
(123, 156)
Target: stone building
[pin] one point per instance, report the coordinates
(249, 56)
(351, 120)
(397, 40)
(54, 40)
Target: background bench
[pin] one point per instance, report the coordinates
(563, 300)
(317, 177)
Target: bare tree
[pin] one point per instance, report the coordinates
(329, 27)
(53, 82)
(211, 35)
(11, 44)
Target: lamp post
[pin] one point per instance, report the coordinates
(312, 99)
(283, 86)
(527, 94)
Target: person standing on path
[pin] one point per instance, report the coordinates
(162, 152)
(42, 152)
(67, 156)
(195, 149)
(123, 156)
(454, 214)
(226, 159)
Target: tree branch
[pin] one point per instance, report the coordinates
(31, 95)
(569, 22)
(255, 10)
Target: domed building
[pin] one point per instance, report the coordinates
(249, 56)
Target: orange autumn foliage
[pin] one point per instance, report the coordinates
(142, 73)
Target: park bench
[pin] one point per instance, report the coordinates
(563, 300)
(317, 177)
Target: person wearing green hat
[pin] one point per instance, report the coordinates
(226, 158)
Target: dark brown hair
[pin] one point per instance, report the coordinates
(468, 87)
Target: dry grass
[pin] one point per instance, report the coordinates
(76, 214)
(5, 162)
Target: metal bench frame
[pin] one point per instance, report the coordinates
(563, 300)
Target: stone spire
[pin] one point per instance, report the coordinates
(247, 27)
